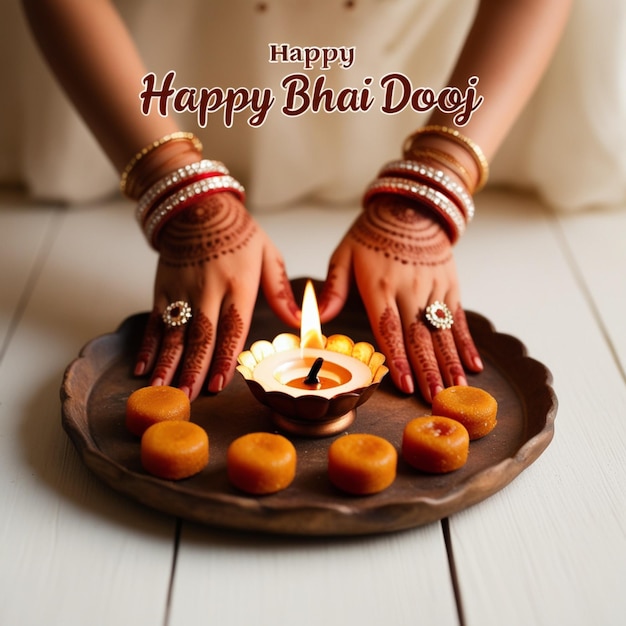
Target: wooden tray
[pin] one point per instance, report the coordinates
(97, 384)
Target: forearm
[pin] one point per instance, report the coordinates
(508, 48)
(94, 58)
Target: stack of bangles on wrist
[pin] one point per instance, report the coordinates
(420, 180)
(178, 190)
(411, 150)
(132, 165)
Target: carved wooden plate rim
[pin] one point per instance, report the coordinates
(99, 380)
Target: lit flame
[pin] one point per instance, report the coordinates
(310, 326)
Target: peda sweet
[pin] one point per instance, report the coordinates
(174, 449)
(261, 463)
(435, 444)
(148, 405)
(362, 464)
(475, 408)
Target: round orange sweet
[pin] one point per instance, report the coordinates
(475, 408)
(149, 405)
(261, 463)
(362, 464)
(435, 444)
(174, 449)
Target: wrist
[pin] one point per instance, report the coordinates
(157, 160)
(451, 149)
(428, 187)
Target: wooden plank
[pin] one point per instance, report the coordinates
(550, 548)
(233, 579)
(597, 254)
(72, 551)
(25, 232)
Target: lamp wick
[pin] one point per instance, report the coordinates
(312, 377)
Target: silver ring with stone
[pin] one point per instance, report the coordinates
(439, 315)
(177, 313)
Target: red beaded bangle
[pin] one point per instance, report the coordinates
(173, 181)
(182, 198)
(445, 208)
(436, 178)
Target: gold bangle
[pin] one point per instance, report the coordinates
(442, 158)
(177, 136)
(477, 154)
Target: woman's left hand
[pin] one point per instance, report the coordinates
(402, 262)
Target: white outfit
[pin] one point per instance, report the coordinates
(568, 146)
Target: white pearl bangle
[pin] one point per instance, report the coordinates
(424, 195)
(414, 168)
(179, 200)
(173, 179)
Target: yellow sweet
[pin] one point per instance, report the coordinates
(475, 408)
(362, 464)
(149, 405)
(435, 444)
(261, 463)
(174, 449)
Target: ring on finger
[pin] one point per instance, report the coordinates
(439, 316)
(177, 313)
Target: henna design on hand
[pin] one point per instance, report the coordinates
(422, 347)
(150, 342)
(199, 339)
(390, 328)
(171, 349)
(402, 232)
(464, 340)
(329, 291)
(460, 322)
(285, 292)
(217, 225)
(452, 368)
(230, 332)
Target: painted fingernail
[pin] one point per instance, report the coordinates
(140, 368)
(216, 384)
(406, 384)
(434, 390)
(460, 380)
(186, 390)
(478, 363)
(157, 382)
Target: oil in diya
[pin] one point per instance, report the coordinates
(312, 383)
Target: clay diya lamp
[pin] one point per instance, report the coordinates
(312, 383)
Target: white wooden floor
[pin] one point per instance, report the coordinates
(549, 549)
